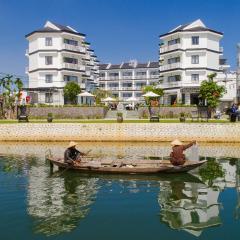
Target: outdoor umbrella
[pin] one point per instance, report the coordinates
(108, 99)
(131, 99)
(86, 94)
(150, 94)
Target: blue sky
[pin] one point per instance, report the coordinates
(119, 30)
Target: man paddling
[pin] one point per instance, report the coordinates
(72, 155)
(177, 156)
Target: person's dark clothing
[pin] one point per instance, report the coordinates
(177, 156)
(70, 155)
(233, 113)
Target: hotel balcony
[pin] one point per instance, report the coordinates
(127, 88)
(74, 48)
(113, 88)
(170, 66)
(164, 48)
(141, 77)
(173, 84)
(74, 66)
(127, 77)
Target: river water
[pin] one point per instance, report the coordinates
(37, 205)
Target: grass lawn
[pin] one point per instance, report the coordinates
(109, 121)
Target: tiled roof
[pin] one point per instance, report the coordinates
(61, 29)
(154, 64)
(142, 65)
(115, 66)
(127, 66)
(103, 66)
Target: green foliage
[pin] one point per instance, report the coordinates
(119, 114)
(211, 171)
(100, 94)
(71, 90)
(154, 89)
(10, 94)
(211, 91)
(50, 115)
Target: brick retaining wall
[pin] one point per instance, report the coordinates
(205, 132)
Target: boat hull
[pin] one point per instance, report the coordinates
(138, 169)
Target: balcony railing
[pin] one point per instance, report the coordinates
(170, 66)
(27, 52)
(169, 48)
(74, 48)
(126, 77)
(113, 88)
(127, 88)
(178, 84)
(140, 76)
(74, 66)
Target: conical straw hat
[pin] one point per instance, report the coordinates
(176, 142)
(72, 144)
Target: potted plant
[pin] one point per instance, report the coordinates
(182, 117)
(50, 117)
(119, 117)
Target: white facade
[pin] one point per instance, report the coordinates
(188, 54)
(127, 79)
(58, 54)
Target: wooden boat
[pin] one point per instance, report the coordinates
(126, 167)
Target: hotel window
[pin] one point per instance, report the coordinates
(127, 85)
(48, 78)
(173, 60)
(102, 85)
(48, 41)
(174, 78)
(127, 95)
(48, 60)
(154, 72)
(174, 41)
(127, 74)
(70, 60)
(195, 40)
(69, 78)
(48, 97)
(102, 75)
(70, 41)
(114, 74)
(195, 77)
(115, 85)
(195, 59)
(141, 73)
(138, 94)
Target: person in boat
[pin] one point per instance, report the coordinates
(177, 157)
(71, 154)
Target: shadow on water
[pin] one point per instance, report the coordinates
(188, 202)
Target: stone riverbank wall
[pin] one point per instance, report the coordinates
(138, 132)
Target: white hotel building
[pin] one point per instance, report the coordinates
(126, 80)
(58, 54)
(188, 53)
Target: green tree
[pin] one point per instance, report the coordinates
(211, 91)
(100, 94)
(10, 94)
(71, 90)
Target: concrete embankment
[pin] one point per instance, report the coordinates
(202, 132)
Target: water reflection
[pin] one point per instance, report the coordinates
(192, 203)
(59, 203)
(189, 206)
